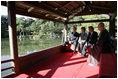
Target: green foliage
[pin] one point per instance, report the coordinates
(86, 25)
(28, 26)
(4, 21)
(4, 26)
(4, 33)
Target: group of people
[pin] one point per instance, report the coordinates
(99, 44)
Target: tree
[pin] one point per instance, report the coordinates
(89, 17)
(28, 23)
(43, 27)
(35, 27)
(20, 22)
(4, 26)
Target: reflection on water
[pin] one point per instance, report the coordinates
(4, 57)
(6, 65)
(25, 47)
(6, 72)
(28, 52)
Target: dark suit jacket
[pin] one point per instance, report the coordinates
(92, 39)
(105, 42)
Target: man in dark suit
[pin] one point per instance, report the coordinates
(91, 40)
(104, 40)
(73, 39)
(103, 45)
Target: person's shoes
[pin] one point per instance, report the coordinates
(79, 53)
(90, 64)
(73, 52)
(82, 55)
(85, 55)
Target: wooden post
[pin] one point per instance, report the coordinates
(112, 27)
(13, 34)
(65, 31)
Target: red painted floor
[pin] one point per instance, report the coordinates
(62, 66)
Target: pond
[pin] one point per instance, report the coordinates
(26, 46)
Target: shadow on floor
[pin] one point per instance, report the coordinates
(49, 67)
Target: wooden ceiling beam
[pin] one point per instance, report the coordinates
(91, 2)
(114, 7)
(86, 2)
(43, 7)
(113, 15)
(56, 3)
(78, 9)
(62, 6)
(92, 12)
(83, 2)
(55, 8)
(114, 10)
(4, 3)
(75, 11)
(66, 4)
(99, 7)
(25, 13)
(89, 21)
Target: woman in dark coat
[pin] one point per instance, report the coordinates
(103, 45)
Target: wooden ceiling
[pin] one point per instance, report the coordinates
(61, 11)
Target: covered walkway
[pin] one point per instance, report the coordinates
(62, 66)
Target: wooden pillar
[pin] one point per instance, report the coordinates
(13, 34)
(65, 31)
(112, 27)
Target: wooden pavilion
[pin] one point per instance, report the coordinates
(58, 11)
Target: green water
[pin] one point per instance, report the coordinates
(28, 46)
(25, 46)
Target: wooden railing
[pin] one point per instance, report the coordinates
(6, 61)
(7, 68)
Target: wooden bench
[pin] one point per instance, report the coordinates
(108, 66)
